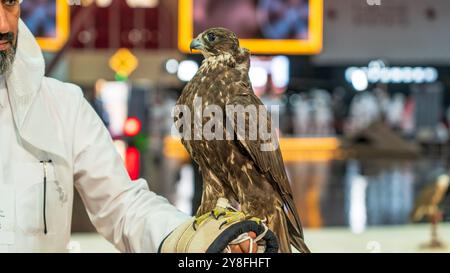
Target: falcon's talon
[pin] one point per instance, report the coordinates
(233, 217)
(220, 215)
(217, 215)
(199, 220)
(219, 212)
(259, 221)
(223, 223)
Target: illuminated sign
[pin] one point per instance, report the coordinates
(114, 97)
(264, 26)
(377, 71)
(123, 62)
(48, 21)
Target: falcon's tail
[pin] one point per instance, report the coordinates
(287, 235)
(297, 241)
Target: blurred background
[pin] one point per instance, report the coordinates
(362, 88)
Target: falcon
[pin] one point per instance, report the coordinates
(430, 197)
(237, 168)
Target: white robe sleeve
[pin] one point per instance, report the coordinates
(126, 213)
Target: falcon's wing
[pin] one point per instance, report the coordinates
(268, 162)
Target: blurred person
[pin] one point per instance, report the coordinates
(51, 140)
(447, 118)
(323, 115)
(383, 99)
(408, 123)
(276, 104)
(364, 110)
(395, 110)
(340, 102)
(302, 114)
(166, 169)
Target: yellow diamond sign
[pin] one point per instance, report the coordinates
(123, 62)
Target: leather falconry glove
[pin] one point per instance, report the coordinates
(224, 230)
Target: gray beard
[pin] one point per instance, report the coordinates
(7, 59)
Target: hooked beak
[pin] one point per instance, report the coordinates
(196, 44)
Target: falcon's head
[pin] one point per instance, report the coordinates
(216, 41)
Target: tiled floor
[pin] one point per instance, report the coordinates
(406, 238)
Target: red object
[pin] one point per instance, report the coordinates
(133, 162)
(132, 127)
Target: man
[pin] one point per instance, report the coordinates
(52, 140)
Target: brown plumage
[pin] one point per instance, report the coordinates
(238, 169)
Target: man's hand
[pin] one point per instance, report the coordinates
(244, 247)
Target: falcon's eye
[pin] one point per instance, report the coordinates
(211, 37)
